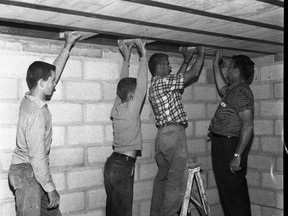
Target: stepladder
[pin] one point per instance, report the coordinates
(195, 193)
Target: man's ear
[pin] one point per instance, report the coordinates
(41, 83)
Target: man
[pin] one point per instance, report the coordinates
(171, 121)
(29, 173)
(231, 131)
(127, 141)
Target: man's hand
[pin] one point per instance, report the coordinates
(54, 199)
(187, 53)
(218, 57)
(235, 164)
(71, 38)
(200, 50)
(125, 50)
(140, 47)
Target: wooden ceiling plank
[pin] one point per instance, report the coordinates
(273, 2)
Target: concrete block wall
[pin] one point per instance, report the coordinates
(82, 132)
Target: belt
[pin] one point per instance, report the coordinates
(221, 136)
(172, 123)
(128, 158)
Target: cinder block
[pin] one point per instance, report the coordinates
(201, 128)
(272, 145)
(211, 109)
(206, 162)
(109, 90)
(149, 131)
(86, 134)
(272, 180)
(8, 89)
(7, 138)
(255, 144)
(204, 93)
(196, 146)
(187, 94)
(98, 112)
(263, 127)
(6, 193)
(66, 157)
(271, 108)
(96, 198)
(279, 164)
(278, 90)
(272, 211)
(143, 190)
(65, 113)
(42, 47)
(58, 138)
(272, 72)
(262, 197)
(147, 112)
(211, 180)
(98, 154)
(261, 162)
(9, 112)
(256, 210)
(72, 202)
(147, 170)
(279, 127)
(253, 178)
(15, 65)
(80, 91)
(216, 209)
(5, 160)
(195, 111)
(11, 45)
(59, 181)
(86, 51)
(212, 195)
(263, 60)
(92, 177)
(8, 209)
(279, 200)
(261, 91)
(147, 150)
(144, 207)
(256, 109)
(101, 70)
(97, 212)
(190, 129)
(73, 67)
(108, 133)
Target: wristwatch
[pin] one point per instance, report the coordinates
(236, 155)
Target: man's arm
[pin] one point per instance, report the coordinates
(245, 135)
(220, 81)
(187, 54)
(126, 54)
(192, 75)
(60, 61)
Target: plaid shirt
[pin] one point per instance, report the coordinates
(166, 99)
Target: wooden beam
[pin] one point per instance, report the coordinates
(137, 22)
(206, 14)
(273, 2)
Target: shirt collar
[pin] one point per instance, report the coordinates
(40, 103)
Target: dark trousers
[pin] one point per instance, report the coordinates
(232, 188)
(31, 199)
(119, 181)
(171, 179)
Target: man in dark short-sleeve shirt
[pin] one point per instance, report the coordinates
(231, 131)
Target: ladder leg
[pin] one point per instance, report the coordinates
(203, 197)
(186, 200)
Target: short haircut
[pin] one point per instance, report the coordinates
(245, 66)
(154, 60)
(38, 70)
(125, 86)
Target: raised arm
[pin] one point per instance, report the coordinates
(193, 74)
(220, 81)
(187, 55)
(126, 54)
(60, 61)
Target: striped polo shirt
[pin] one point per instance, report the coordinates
(226, 121)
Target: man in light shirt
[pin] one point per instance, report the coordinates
(29, 173)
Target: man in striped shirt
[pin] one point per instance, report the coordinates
(165, 95)
(29, 173)
(231, 131)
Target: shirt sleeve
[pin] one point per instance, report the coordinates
(243, 100)
(38, 155)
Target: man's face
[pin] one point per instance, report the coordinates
(50, 83)
(165, 67)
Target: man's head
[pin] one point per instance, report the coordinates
(42, 75)
(126, 88)
(241, 69)
(159, 65)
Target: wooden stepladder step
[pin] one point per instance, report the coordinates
(201, 203)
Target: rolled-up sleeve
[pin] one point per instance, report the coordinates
(38, 155)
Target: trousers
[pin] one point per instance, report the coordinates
(171, 178)
(232, 187)
(30, 198)
(119, 182)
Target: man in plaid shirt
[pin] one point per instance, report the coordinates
(165, 95)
